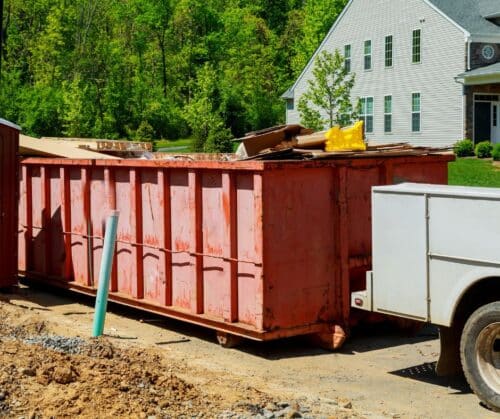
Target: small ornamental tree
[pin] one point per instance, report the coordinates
(204, 117)
(329, 93)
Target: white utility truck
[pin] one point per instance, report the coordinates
(436, 259)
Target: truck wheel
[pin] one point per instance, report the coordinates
(480, 354)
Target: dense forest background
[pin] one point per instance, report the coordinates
(145, 69)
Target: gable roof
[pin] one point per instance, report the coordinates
(489, 8)
(471, 14)
(289, 94)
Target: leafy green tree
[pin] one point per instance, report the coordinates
(318, 17)
(329, 93)
(203, 115)
(145, 132)
(78, 116)
(100, 68)
(250, 92)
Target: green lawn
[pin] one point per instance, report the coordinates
(473, 172)
(180, 145)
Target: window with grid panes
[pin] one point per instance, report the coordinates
(367, 113)
(347, 58)
(416, 48)
(388, 114)
(388, 51)
(415, 112)
(368, 55)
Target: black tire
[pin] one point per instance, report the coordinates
(480, 354)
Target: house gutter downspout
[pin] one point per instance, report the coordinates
(469, 48)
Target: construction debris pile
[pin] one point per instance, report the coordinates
(294, 142)
(283, 142)
(82, 148)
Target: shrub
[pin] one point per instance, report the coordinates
(145, 132)
(495, 153)
(483, 149)
(464, 148)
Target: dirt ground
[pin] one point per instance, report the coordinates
(151, 367)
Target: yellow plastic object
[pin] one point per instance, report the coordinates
(346, 139)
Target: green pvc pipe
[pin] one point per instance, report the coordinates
(101, 302)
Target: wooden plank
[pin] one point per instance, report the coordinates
(30, 146)
(311, 140)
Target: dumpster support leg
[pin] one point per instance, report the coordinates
(332, 340)
(228, 340)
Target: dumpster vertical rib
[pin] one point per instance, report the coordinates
(231, 251)
(28, 220)
(46, 214)
(344, 286)
(110, 191)
(341, 280)
(387, 173)
(136, 211)
(165, 228)
(85, 176)
(195, 209)
(66, 221)
(259, 225)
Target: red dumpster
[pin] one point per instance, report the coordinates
(257, 249)
(9, 144)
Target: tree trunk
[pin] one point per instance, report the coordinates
(161, 41)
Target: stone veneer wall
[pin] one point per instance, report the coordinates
(469, 105)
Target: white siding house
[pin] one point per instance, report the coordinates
(416, 95)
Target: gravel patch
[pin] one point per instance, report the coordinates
(73, 346)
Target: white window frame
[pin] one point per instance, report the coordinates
(387, 114)
(414, 46)
(364, 115)
(367, 55)
(347, 59)
(416, 112)
(386, 51)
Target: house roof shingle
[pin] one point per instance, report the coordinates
(489, 8)
(471, 14)
(489, 70)
(483, 75)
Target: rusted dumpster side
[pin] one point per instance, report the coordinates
(9, 144)
(258, 249)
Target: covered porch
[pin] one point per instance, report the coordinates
(482, 103)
